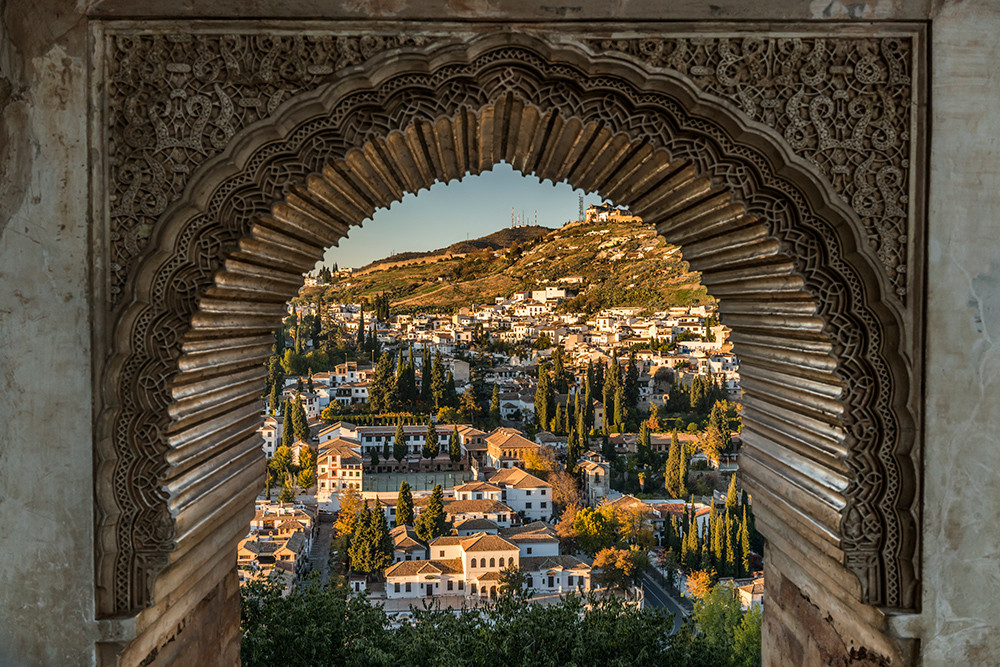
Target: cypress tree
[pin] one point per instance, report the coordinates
(380, 555)
(432, 522)
(360, 545)
(399, 442)
(495, 407)
(300, 425)
(386, 450)
(619, 409)
(631, 386)
(404, 505)
(607, 399)
(287, 430)
(682, 473)
(672, 471)
(581, 428)
(361, 328)
(454, 446)
(644, 445)
(375, 459)
(717, 541)
(744, 544)
(543, 398)
(274, 400)
(730, 551)
(588, 398)
(731, 494)
(426, 394)
(431, 447)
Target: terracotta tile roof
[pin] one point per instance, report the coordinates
(484, 525)
(477, 486)
(409, 568)
(508, 438)
(404, 538)
(532, 532)
(519, 479)
(486, 542)
(489, 576)
(552, 563)
(446, 541)
(484, 506)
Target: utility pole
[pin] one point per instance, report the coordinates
(581, 208)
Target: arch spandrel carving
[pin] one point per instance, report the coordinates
(826, 418)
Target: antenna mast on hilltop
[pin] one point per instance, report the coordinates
(512, 217)
(536, 217)
(581, 208)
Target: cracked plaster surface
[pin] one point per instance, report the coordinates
(961, 485)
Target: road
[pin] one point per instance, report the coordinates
(656, 596)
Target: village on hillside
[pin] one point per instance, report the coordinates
(446, 456)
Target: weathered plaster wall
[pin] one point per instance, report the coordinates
(46, 499)
(961, 608)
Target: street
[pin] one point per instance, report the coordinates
(656, 596)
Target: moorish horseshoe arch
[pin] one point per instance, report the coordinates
(827, 430)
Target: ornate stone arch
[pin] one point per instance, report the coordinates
(827, 430)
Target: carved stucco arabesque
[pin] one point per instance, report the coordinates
(175, 100)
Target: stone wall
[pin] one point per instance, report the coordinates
(46, 409)
(46, 300)
(961, 605)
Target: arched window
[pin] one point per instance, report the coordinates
(493, 562)
(472, 563)
(501, 562)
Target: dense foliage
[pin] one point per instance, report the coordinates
(321, 625)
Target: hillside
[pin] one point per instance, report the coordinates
(622, 264)
(503, 238)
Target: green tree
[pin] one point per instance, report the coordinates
(287, 429)
(672, 471)
(374, 458)
(399, 442)
(620, 408)
(351, 505)
(717, 616)
(595, 528)
(495, 407)
(732, 494)
(431, 445)
(287, 495)
(746, 639)
(307, 458)
(281, 461)
(426, 393)
(468, 408)
(544, 398)
(300, 425)
(682, 476)
(439, 389)
(454, 446)
(361, 344)
(307, 478)
(744, 545)
(432, 522)
(382, 395)
(404, 505)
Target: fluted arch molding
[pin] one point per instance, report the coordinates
(828, 435)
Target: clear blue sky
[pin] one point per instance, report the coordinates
(474, 207)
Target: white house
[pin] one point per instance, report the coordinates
(526, 494)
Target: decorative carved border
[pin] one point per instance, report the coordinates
(189, 286)
(844, 103)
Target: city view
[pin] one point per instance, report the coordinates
(537, 420)
(493, 333)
